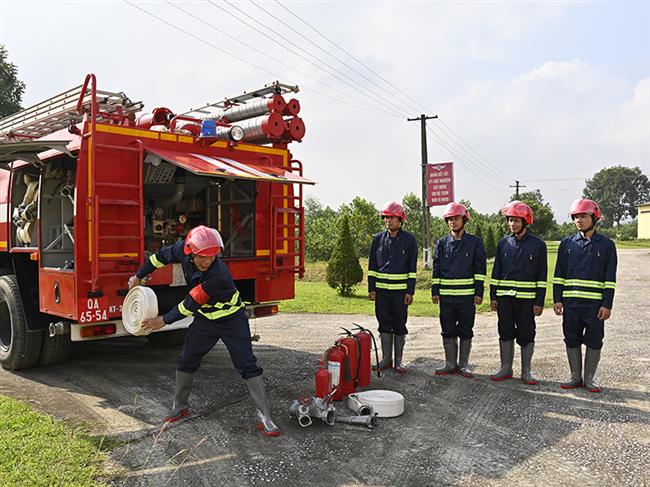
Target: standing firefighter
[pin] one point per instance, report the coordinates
(218, 314)
(517, 290)
(391, 282)
(458, 279)
(583, 291)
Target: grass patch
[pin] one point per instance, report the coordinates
(313, 295)
(639, 243)
(36, 450)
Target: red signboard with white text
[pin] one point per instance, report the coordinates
(440, 183)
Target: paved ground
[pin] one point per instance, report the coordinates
(455, 431)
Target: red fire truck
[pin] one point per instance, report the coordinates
(88, 190)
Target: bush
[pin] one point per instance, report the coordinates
(343, 270)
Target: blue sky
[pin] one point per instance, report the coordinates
(538, 91)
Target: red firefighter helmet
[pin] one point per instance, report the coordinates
(203, 241)
(583, 205)
(393, 208)
(456, 209)
(518, 209)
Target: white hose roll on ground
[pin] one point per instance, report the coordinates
(386, 404)
(140, 304)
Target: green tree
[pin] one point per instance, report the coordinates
(618, 190)
(320, 225)
(366, 222)
(490, 242)
(543, 219)
(479, 232)
(11, 88)
(413, 209)
(343, 270)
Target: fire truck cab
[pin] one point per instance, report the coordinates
(88, 190)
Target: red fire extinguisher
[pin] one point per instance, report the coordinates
(323, 383)
(366, 340)
(336, 358)
(351, 371)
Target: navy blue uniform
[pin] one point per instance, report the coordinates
(391, 274)
(217, 308)
(585, 279)
(518, 283)
(459, 268)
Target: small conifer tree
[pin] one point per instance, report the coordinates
(343, 270)
(479, 232)
(490, 242)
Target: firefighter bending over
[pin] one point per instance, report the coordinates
(459, 267)
(518, 290)
(391, 283)
(218, 314)
(583, 292)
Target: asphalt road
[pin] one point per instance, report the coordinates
(455, 431)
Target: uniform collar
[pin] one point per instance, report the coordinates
(399, 232)
(451, 238)
(578, 236)
(515, 239)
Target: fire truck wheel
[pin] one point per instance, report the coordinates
(19, 348)
(55, 349)
(167, 339)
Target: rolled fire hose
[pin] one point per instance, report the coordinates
(385, 404)
(140, 304)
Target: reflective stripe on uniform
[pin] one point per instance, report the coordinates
(584, 283)
(213, 315)
(155, 262)
(391, 287)
(183, 310)
(568, 293)
(479, 277)
(457, 282)
(456, 292)
(610, 285)
(389, 277)
(515, 293)
(222, 309)
(509, 283)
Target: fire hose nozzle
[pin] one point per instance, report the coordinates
(301, 412)
(320, 409)
(368, 421)
(358, 407)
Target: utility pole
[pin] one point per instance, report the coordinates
(427, 257)
(517, 186)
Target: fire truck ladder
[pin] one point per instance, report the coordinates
(288, 234)
(132, 205)
(60, 111)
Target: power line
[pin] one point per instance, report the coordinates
(476, 157)
(549, 180)
(438, 137)
(462, 161)
(257, 66)
(318, 65)
(286, 24)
